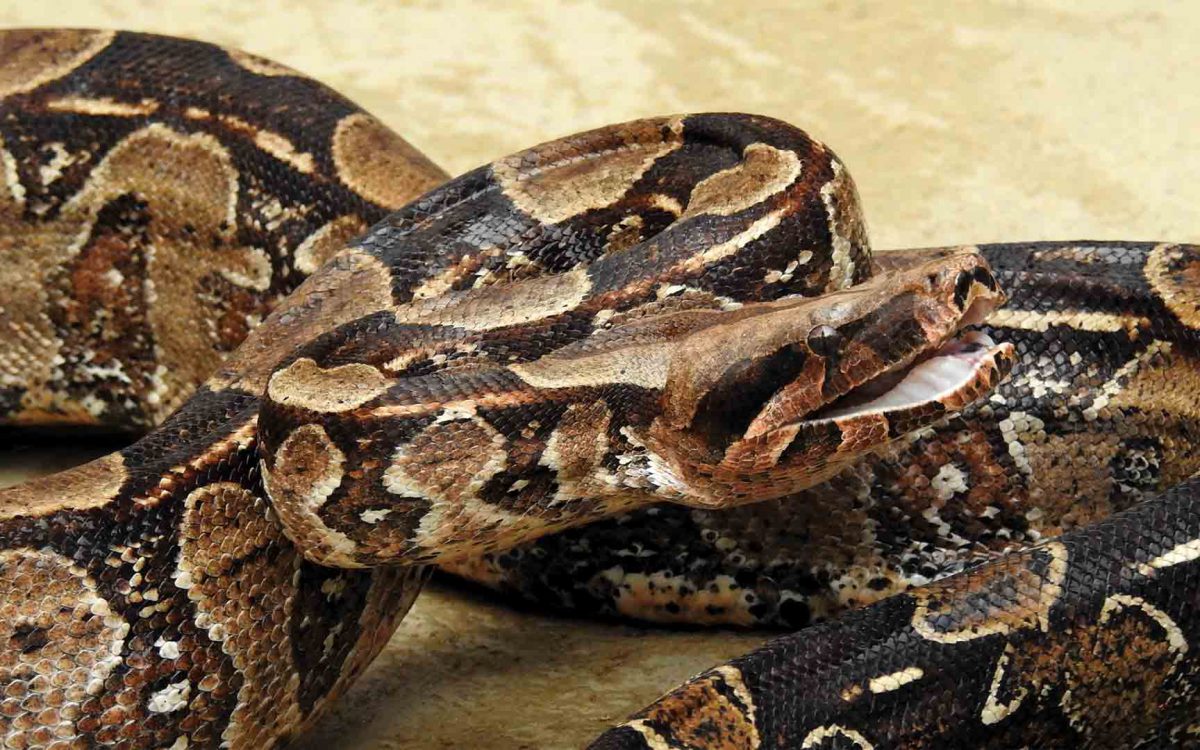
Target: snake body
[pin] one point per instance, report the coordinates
(679, 310)
(1083, 637)
(1097, 414)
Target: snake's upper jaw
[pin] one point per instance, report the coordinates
(789, 397)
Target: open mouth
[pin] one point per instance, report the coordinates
(947, 364)
(952, 375)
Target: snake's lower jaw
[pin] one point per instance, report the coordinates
(795, 456)
(857, 371)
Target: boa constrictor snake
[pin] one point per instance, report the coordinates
(665, 341)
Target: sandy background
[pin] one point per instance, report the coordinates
(999, 121)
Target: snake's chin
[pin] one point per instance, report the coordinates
(955, 374)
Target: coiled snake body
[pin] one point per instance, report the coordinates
(679, 310)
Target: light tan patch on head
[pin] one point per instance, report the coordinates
(307, 385)
(634, 347)
(59, 639)
(555, 182)
(316, 249)
(1018, 590)
(1174, 272)
(644, 365)
(92, 485)
(239, 572)
(714, 711)
(444, 409)
(308, 468)
(379, 165)
(763, 172)
(33, 57)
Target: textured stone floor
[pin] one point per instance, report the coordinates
(1001, 121)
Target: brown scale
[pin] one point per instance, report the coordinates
(187, 219)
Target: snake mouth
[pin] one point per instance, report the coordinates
(949, 378)
(791, 394)
(911, 354)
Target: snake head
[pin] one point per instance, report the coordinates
(784, 395)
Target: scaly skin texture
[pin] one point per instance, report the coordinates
(650, 311)
(160, 198)
(390, 442)
(1085, 641)
(1097, 412)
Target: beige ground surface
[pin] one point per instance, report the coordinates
(999, 121)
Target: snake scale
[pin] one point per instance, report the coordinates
(649, 370)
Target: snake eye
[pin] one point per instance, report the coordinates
(824, 341)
